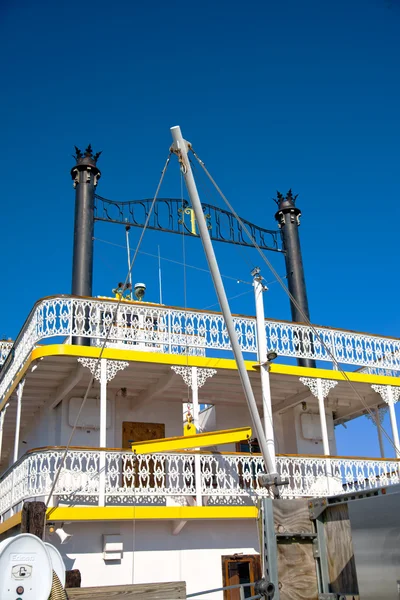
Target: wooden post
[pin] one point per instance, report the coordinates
(73, 579)
(33, 518)
(297, 568)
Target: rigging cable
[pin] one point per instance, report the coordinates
(294, 301)
(64, 455)
(188, 411)
(176, 262)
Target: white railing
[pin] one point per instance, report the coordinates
(173, 477)
(380, 371)
(5, 347)
(170, 330)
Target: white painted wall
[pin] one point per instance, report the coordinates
(227, 417)
(43, 430)
(294, 441)
(153, 554)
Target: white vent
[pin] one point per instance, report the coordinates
(113, 547)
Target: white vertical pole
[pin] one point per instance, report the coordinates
(128, 251)
(159, 274)
(197, 459)
(103, 403)
(324, 430)
(195, 399)
(264, 367)
(181, 148)
(322, 416)
(103, 430)
(20, 389)
(393, 421)
(379, 430)
(2, 417)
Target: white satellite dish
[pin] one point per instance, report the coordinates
(25, 569)
(57, 562)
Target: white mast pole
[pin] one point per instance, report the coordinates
(180, 147)
(264, 366)
(128, 251)
(159, 274)
(2, 417)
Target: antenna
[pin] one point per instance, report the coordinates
(128, 251)
(159, 274)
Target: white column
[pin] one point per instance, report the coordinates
(195, 378)
(197, 459)
(103, 430)
(195, 399)
(2, 417)
(20, 390)
(395, 431)
(103, 371)
(391, 395)
(264, 366)
(378, 412)
(322, 416)
(103, 403)
(320, 389)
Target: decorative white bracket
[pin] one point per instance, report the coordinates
(380, 412)
(319, 386)
(187, 375)
(388, 393)
(94, 365)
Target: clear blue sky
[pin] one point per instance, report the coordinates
(271, 94)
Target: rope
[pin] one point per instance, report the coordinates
(57, 590)
(107, 335)
(292, 298)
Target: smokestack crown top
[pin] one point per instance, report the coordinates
(286, 204)
(86, 158)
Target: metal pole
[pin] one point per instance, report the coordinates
(393, 421)
(324, 430)
(180, 147)
(20, 389)
(197, 459)
(270, 550)
(103, 429)
(2, 417)
(128, 251)
(288, 217)
(264, 366)
(322, 416)
(85, 175)
(379, 430)
(159, 274)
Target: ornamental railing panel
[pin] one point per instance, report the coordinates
(159, 329)
(174, 477)
(5, 348)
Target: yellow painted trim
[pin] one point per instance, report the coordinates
(353, 376)
(186, 442)
(145, 513)
(191, 361)
(127, 355)
(11, 522)
(138, 356)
